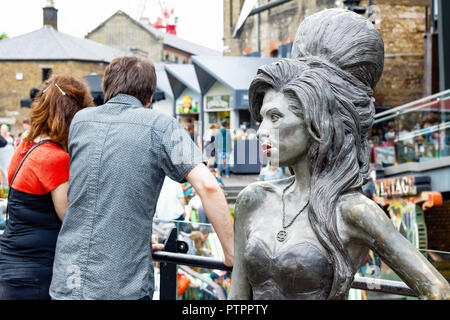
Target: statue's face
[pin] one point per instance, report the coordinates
(283, 134)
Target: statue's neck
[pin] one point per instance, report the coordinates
(302, 176)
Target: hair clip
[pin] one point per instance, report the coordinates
(63, 93)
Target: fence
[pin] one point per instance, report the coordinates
(173, 256)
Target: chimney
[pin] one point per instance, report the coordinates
(50, 15)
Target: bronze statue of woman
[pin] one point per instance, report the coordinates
(305, 237)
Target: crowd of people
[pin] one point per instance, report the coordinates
(416, 137)
(8, 144)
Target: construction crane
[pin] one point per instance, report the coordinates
(168, 21)
(141, 10)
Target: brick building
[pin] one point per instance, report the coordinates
(125, 33)
(28, 60)
(401, 23)
(276, 26)
(438, 224)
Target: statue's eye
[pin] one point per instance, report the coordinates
(275, 116)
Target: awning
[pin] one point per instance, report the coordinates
(163, 88)
(180, 77)
(236, 73)
(247, 7)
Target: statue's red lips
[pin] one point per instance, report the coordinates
(266, 147)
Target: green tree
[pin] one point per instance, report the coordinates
(3, 36)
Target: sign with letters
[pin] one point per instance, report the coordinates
(217, 103)
(396, 187)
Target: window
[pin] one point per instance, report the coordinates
(46, 74)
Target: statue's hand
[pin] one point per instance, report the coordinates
(441, 293)
(229, 261)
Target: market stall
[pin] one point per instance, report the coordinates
(187, 98)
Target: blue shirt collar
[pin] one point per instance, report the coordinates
(122, 98)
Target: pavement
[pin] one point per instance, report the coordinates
(234, 185)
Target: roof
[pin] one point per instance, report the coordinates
(155, 32)
(50, 44)
(181, 44)
(185, 73)
(162, 81)
(188, 46)
(245, 12)
(168, 39)
(234, 72)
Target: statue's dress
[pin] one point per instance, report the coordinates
(296, 269)
(296, 272)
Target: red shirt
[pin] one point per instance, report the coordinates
(45, 168)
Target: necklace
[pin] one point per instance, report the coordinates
(282, 235)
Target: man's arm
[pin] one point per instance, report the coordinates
(215, 206)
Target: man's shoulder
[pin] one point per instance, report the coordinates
(140, 116)
(84, 114)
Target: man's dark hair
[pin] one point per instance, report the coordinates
(132, 76)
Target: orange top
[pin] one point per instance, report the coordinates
(45, 168)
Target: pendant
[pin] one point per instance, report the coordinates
(281, 236)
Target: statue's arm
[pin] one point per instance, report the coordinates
(240, 288)
(370, 224)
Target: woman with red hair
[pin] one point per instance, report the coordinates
(39, 178)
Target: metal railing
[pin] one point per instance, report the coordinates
(412, 106)
(170, 258)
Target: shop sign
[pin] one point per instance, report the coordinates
(396, 187)
(218, 103)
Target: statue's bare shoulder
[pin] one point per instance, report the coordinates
(363, 214)
(255, 194)
(356, 206)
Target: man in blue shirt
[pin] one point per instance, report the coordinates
(120, 154)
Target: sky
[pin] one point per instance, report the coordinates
(199, 21)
